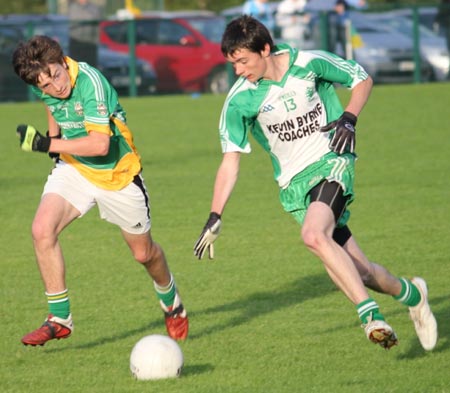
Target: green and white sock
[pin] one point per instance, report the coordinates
(59, 304)
(368, 309)
(409, 295)
(166, 293)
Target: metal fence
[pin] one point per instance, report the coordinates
(164, 53)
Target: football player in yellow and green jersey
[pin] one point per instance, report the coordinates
(97, 164)
(93, 105)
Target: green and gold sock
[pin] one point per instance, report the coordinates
(59, 304)
(369, 310)
(166, 293)
(410, 295)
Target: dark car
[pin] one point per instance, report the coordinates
(11, 86)
(114, 65)
(116, 68)
(183, 47)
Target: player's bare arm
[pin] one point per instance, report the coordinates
(53, 127)
(359, 97)
(94, 144)
(226, 178)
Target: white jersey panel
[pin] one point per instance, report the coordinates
(290, 118)
(285, 117)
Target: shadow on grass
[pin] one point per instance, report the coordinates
(253, 306)
(118, 337)
(261, 303)
(265, 302)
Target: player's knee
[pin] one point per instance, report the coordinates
(41, 232)
(148, 254)
(142, 256)
(313, 239)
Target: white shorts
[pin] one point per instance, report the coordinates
(129, 208)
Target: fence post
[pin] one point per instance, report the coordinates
(348, 40)
(416, 39)
(324, 30)
(132, 90)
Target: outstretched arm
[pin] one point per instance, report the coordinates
(226, 178)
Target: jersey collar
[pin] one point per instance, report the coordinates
(72, 68)
(283, 48)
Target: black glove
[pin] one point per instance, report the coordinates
(53, 156)
(345, 133)
(31, 139)
(208, 236)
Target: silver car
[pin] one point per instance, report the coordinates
(433, 47)
(387, 55)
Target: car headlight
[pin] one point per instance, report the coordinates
(375, 52)
(147, 67)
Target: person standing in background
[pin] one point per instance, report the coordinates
(260, 10)
(84, 17)
(293, 22)
(342, 8)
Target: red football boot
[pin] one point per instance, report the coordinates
(177, 322)
(53, 328)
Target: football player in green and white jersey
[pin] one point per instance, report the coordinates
(96, 164)
(286, 99)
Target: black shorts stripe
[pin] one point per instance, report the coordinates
(140, 183)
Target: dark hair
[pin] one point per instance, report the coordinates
(31, 58)
(245, 32)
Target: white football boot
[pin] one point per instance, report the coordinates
(424, 320)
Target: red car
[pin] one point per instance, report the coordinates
(184, 48)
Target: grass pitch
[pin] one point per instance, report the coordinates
(264, 315)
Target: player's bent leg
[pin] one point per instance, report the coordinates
(53, 328)
(374, 276)
(424, 321)
(151, 256)
(317, 233)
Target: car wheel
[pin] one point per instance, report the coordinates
(218, 82)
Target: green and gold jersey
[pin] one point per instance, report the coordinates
(93, 105)
(285, 117)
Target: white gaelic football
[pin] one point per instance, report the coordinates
(156, 357)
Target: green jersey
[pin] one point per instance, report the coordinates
(285, 117)
(93, 105)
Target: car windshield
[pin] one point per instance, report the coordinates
(405, 26)
(211, 28)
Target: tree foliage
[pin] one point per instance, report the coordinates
(212, 5)
(24, 6)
